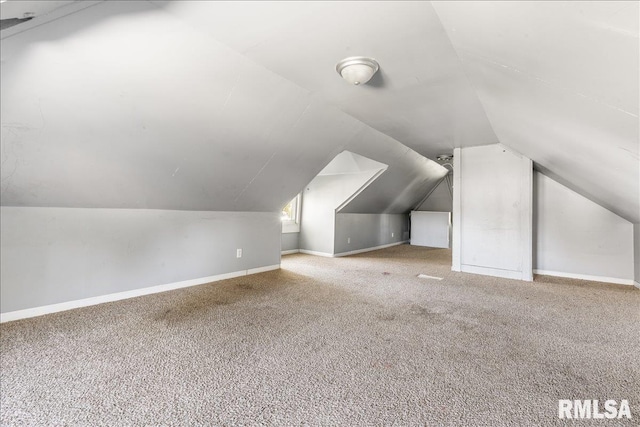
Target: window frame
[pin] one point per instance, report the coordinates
(293, 225)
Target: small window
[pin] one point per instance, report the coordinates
(291, 216)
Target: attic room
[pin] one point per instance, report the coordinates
(319, 213)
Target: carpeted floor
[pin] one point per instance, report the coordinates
(347, 341)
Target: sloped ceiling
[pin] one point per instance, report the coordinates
(401, 186)
(20, 10)
(236, 105)
(348, 162)
(420, 96)
(440, 199)
(559, 83)
(122, 105)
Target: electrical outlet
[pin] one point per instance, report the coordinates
(238, 253)
(391, 234)
(348, 239)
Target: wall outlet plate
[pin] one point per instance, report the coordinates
(238, 253)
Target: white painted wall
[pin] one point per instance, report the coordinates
(344, 177)
(493, 212)
(55, 255)
(290, 242)
(320, 199)
(575, 237)
(356, 232)
(430, 229)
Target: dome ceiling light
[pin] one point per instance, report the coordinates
(357, 70)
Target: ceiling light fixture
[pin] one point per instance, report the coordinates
(357, 70)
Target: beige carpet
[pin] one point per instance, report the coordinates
(347, 341)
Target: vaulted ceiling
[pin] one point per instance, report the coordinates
(559, 82)
(237, 105)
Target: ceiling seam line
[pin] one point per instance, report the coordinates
(46, 21)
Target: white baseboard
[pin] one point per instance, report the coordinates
(324, 254)
(292, 251)
(375, 248)
(636, 284)
(615, 280)
(262, 269)
(358, 251)
(69, 305)
(495, 272)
